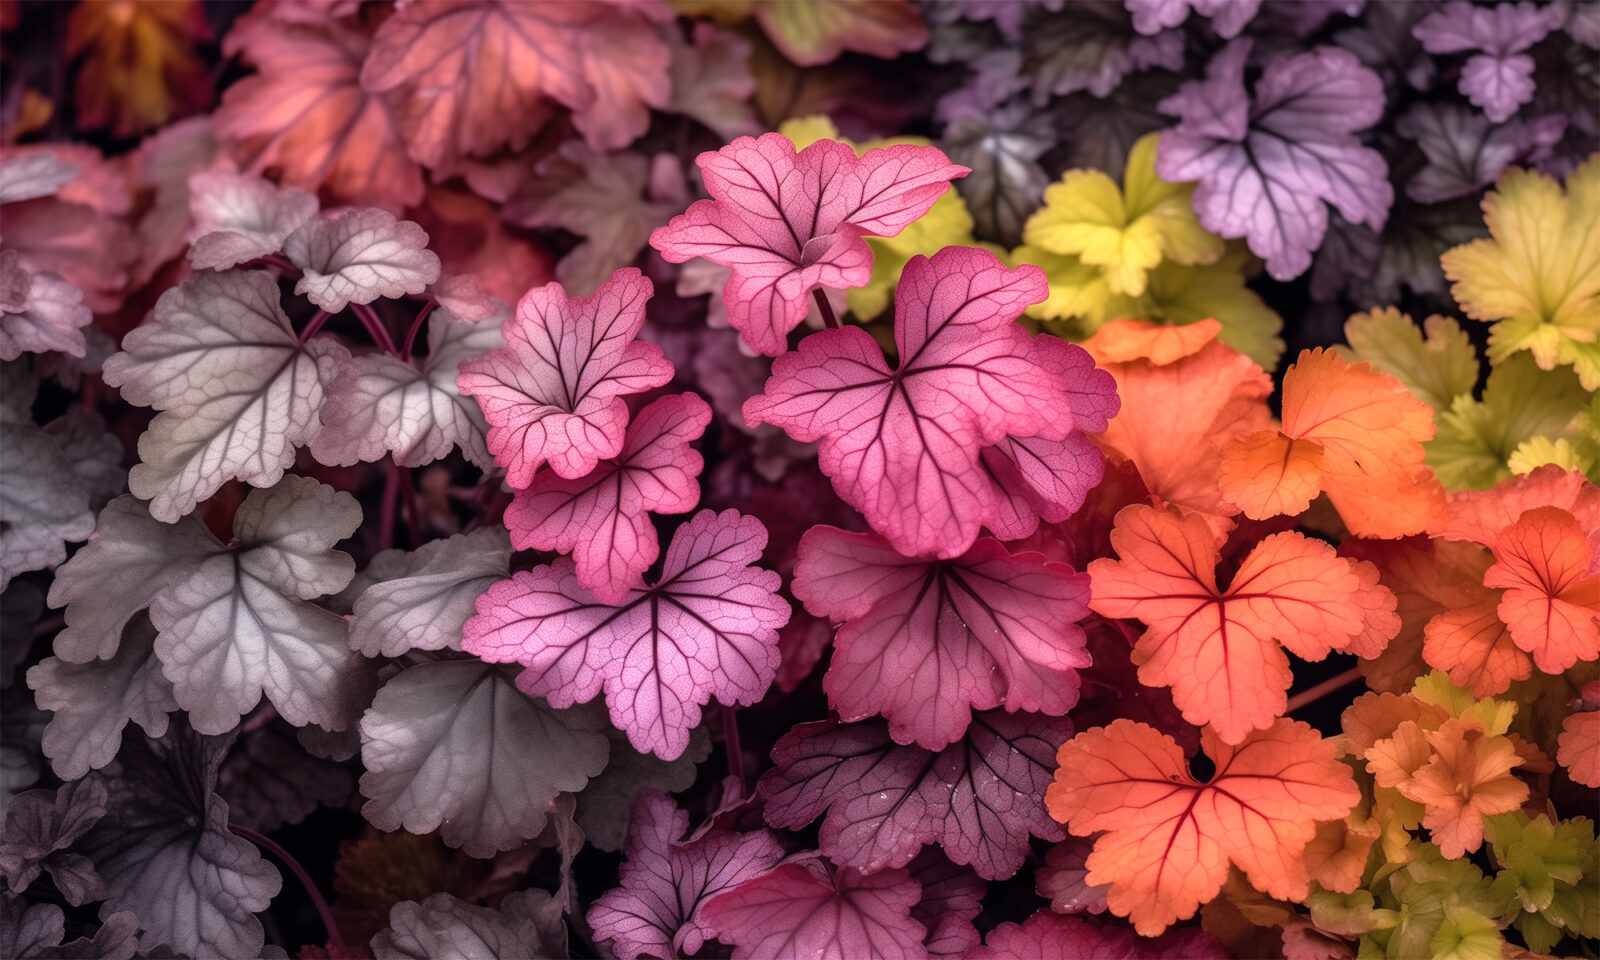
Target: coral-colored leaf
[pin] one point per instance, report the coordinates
(1480, 515)
(668, 878)
(902, 445)
(926, 642)
(1219, 649)
(1579, 747)
(708, 628)
(603, 519)
(1347, 429)
(1467, 777)
(555, 391)
(980, 798)
(471, 78)
(305, 114)
(1551, 604)
(811, 910)
(1474, 647)
(1169, 838)
(788, 222)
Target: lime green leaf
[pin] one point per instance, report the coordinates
(1476, 438)
(1530, 455)
(1465, 935)
(1436, 361)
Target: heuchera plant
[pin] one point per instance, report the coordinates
(827, 480)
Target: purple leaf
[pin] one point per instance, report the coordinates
(1228, 17)
(269, 779)
(655, 909)
(41, 827)
(952, 897)
(811, 910)
(1499, 76)
(707, 628)
(39, 311)
(979, 798)
(1265, 168)
(1466, 152)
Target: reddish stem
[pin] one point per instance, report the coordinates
(730, 743)
(416, 327)
(375, 327)
(315, 325)
(261, 840)
(828, 318)
(1330, 685)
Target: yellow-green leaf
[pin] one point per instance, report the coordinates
(1436, 361)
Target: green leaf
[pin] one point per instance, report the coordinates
(1436, 361)
(1477, 438)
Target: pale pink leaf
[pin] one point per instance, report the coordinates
(238, 218)
(359, 257)
(39, 311)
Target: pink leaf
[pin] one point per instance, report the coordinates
(666, 880)
(979, 798)
(952, 897)
(925, 642)
(902, 446)
(1046, 935)
(814, 911)
(790, 222)
(603, 519)
(708, 628)
(554, 392)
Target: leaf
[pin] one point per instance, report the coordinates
(613, 200)
(37, 931)
(1538, 274)
(94, 701)
(237, 388)
(41, 828)
(1092, 47)
(979, 798)
(605, 805)
(1579, 747)
(707, 628)
(238, 218)
(781, 247)
(967, 376)
(1465, 151)
(1123, 231)
(712, 82)
(360, 256)
(926, 642)
(271, 780)
(140, 69)
(1178, 412)
(379, 404)
(167, 855)
(453, 746)
(1467, 778)
(28, 176)
(1348, 430)
(667, 878)
(39, 311)
(603, 519)
(1436, 362)
(43, 500)
(305, 113)
(1220, 650)
(1500, 77)
(1047, 934)
(527, 924)
(1520, 403)
(812, 909)
(1228, 17)
(472, 78)
(1266, 167)
(555, 391)
(421, 599)
(1546, 564)
(1169, 839)
(811, 34)
(1002, 147)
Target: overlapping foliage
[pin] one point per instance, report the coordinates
(767, 479)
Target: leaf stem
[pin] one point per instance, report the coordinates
(730, 744)
(315, 325)
(416, 326)
(828, 319)
(1330, 685)
(264, 842)
(375, 327)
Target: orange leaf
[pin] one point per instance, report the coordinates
(1550, 603)
(1337, 856)
(1376, 716)
(140, 70)
(1219, 650)
(1468, 778)
(1176, 416)
(1123, 341)
(1348, 430)
(1475, 648)
(1578, 747)
(1480, 515)
(1169, 838)
(305, 114)
(1427, 577)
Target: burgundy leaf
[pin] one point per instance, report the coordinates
(924, 642)
(952, 897)
(810, 910)
(708, 628)
(666, 879)
(979, 798)
(603, 519)
(1046, 936)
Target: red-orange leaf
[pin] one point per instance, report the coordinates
(1552, 599)
(1467, 778)
(1221, 650)
(1169, 838)
(140, 70)
(1480, 515)
(1578, 746)
(1473, 646)
(1348, 430)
